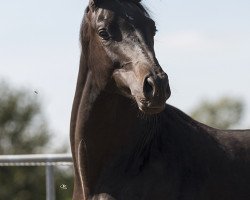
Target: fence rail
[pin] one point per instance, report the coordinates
(46, 160)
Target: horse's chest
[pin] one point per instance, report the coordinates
(152, 182)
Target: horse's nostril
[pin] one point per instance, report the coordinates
(149, 87)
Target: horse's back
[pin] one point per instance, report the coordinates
(236, 144)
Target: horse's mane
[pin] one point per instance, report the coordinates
(141, 7)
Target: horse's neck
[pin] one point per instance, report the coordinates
(104, 123)
(111, 118)
(195, 143)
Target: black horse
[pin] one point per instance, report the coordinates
(127, 144)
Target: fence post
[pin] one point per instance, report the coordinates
(50, 183)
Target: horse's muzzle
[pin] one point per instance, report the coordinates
(156, 91)
(149, 90)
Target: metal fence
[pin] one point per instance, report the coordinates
(46, 160)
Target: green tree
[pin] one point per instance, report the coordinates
(23, 130)
(223, 113)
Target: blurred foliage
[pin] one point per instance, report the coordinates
(23, 130)
(224, 113)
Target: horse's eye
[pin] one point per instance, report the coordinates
(103, 33)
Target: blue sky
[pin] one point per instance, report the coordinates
(204, 46)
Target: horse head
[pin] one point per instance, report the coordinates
(121, 51)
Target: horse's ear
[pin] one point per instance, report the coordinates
(93, 4)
